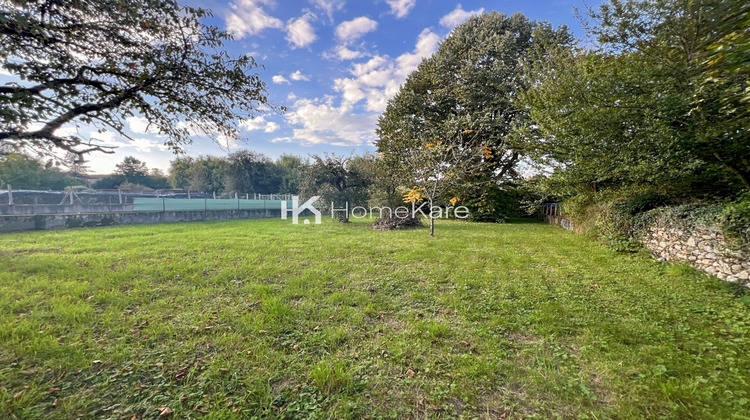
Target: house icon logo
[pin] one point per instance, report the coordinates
(296, 209)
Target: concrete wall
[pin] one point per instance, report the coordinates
(62, 221)
(26, 209)
(704, 247)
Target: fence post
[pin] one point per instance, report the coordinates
(10, 195)
(119, 195)
(214, 195)
(188, 194)
(238, 203)
(205, 204)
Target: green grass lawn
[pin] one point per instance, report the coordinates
(261, 318)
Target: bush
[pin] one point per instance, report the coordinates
(644, 202)
(396, 223)
(735, 220)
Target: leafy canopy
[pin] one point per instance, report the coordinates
(97, 62)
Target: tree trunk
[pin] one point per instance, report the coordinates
(432, 226)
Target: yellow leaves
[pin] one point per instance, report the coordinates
(454, 200)
(434, 143)
(414, 195)
(487, 153)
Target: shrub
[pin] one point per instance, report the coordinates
(396, 223)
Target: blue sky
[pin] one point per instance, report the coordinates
(332, 63)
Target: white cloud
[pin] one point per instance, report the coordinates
(297, 75)
(320, 122)
(458, 16)
(145, 145)
(299, 32)
(279, 79)
(247, 17)
(328, 6)
(379, 78)
(260, 123)
(401, 8)
(354, 29)
(139, 125)
(343, 53)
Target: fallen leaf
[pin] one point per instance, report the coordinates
(18, 395)
(410, 372)
(53, 390)
(317, 327)
(296, 347)
(164, 411)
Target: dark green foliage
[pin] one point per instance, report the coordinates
(25, 173)
(494, 205)
(735, 219)
(638, 110)
(339, 180)
(242, 172)
(641, 203)
(249, 172)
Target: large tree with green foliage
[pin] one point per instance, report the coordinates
(648, 109)
(24, 172)
(462, 98)
(96, 62)
(249, 172)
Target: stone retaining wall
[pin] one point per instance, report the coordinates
(704, 247)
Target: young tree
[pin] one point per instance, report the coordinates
(97, 62)
(340, 180)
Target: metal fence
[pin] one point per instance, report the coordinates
(552, 209)
(205, 204)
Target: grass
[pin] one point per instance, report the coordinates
(261, 318)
